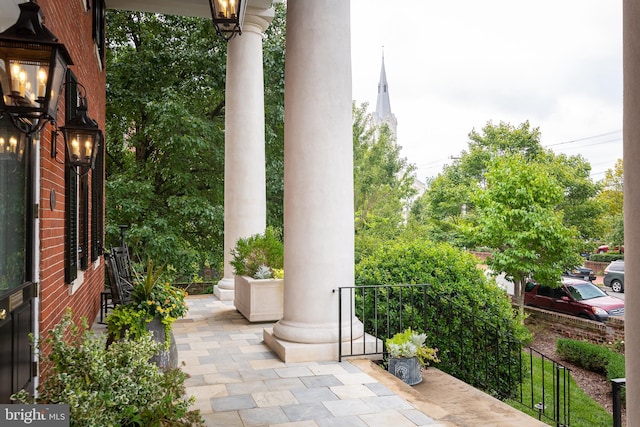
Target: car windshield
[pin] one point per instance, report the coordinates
(585, 291)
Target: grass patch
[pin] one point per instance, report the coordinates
(584, 411)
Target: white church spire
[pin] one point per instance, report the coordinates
(383, 112)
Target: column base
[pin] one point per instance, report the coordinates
(289, 351)
(225, 289)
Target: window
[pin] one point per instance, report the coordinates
(16, 210)
(99, 29)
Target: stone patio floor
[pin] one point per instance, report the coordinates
(238, 381)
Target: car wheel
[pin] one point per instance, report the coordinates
(616, 286)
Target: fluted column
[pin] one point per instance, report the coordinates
(318, 177)
(631, 135)
(245, 210)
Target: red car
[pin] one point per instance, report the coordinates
(605, 248)
(576, 297)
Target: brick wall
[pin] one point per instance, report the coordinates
(597, 267)
(68, 20)
(576, 327)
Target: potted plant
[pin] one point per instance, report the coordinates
(408, 354)
(154, 306)
(258, 263)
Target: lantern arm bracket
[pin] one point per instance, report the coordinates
(24, 125)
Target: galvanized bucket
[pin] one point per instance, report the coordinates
(408, 370)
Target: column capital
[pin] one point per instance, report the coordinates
(257, 19)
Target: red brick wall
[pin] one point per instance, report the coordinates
(577, 328)
(73, 27)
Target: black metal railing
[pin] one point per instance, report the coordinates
(618, 386)
(474, 345)
(545, 387)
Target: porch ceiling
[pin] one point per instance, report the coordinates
(199, 8)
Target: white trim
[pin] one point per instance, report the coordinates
(77, 283)
(35, 156)
(96, 52)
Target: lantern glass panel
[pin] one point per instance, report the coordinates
(80, 145)
(12, 141)
(24, 75)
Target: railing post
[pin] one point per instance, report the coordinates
(559, 369)
(616, 385)
(340, 324)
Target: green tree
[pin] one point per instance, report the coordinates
(518, 217)
(165, 136)
(611, 198)
(449, 203)
(273, 59)
(383, 182)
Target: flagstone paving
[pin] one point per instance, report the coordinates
(238, 381)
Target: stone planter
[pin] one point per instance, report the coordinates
(408, 370)
(259, 300)
(167, 358)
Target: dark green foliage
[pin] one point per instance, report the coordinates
(264, 249)
(165, 136)
(606, 257)
(463, 313)
(383, 183)
(593, 357)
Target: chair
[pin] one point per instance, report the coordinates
(123, 263)
(120, 288)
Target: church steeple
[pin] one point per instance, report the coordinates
(383, 112)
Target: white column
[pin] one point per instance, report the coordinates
(318, 180)
(245, 209)
(631, 156)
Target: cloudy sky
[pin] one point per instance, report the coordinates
(454, 65)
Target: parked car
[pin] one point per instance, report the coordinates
(614, 275)
(581, 273)
(577, 297)
(605, 248)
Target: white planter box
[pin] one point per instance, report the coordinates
(259, 300)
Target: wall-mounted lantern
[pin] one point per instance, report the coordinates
(228, 17)
(32, 67)
(82, 137)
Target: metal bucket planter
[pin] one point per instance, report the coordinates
(408, 370)
(167, 357)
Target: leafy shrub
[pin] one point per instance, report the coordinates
(257, 252)
(463, 313)
(127, 318)
(593, 357)
(589, 356)
(114, 386)
(606, 257)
